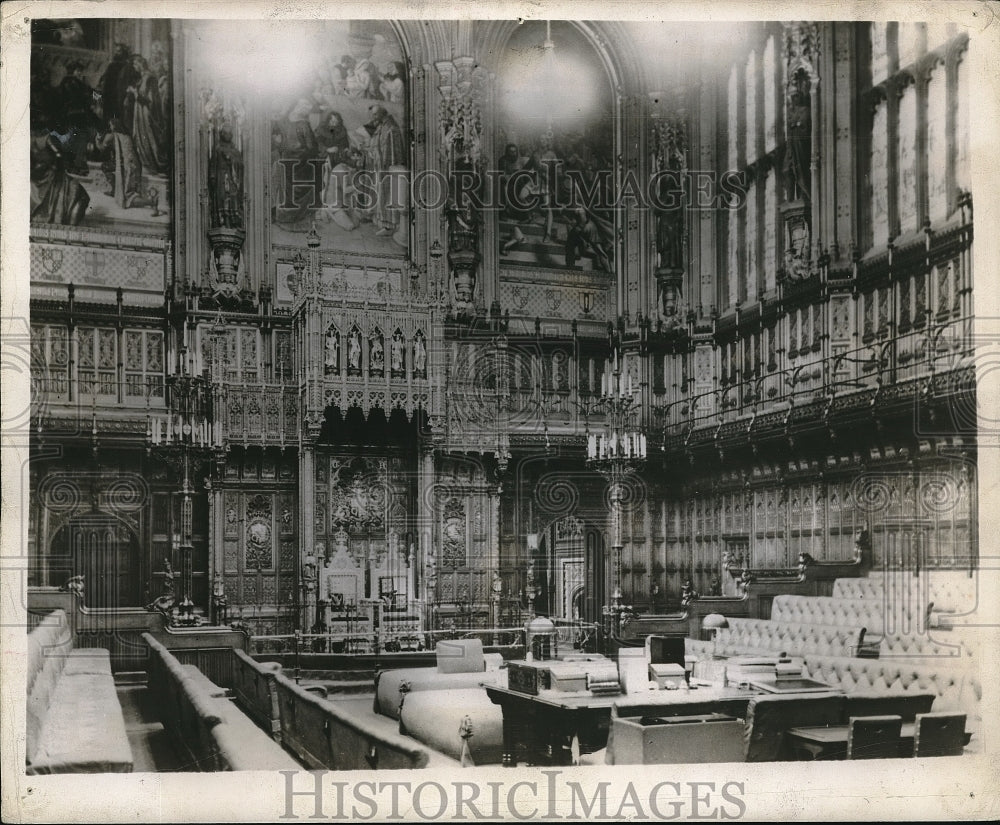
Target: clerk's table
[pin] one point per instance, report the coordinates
(540, 728)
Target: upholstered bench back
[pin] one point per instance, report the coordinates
(50, 637)
(324, 735)
(253, 684)
(860, 613)
(49, 647)
(215, 733)
(74, 720)
(698, 649)
(953, 688)
(937, 648)
(857, 588)
(948, 590)
(760, 635)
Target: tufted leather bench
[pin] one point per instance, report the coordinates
(954, 689)
(859, 613)
(933, 649)
(752, 636)
(74, 718)
(948, 590)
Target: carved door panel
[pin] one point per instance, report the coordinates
(105, 552)
(593, 594)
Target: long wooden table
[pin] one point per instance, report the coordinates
(540, 729)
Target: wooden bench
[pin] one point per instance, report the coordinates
(214, 734)
(74, 719)
(323, 735)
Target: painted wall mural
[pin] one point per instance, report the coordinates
(101, 124)
(556, 141)
(340, 145)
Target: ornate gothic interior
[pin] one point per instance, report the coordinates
(388, 326)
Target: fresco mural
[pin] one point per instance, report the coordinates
(556, 142)
(340, 144)
(101, 125)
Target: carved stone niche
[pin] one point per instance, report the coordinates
(227, 246)
(463, 273)
(795, 217)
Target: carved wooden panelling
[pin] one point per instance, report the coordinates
(286, 556)
(259, 543)
(453, 533)
(230, 556)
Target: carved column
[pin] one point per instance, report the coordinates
(307, 533)
(216, 556)
(707, 236)
(188, 167)
(847, 139)
(425, 562)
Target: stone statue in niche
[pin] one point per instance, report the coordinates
(397, 353)
(670, 196)
(225, 182)
(798, 146)
(463, 231)
(419, 356)
(669, 238)
(354, 350)
(376, 354)
(331, 356)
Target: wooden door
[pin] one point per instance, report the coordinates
(104, 551)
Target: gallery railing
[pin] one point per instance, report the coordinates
(922, 363)
(569, 635)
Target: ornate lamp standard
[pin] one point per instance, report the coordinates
(182, 439)
(616, 452)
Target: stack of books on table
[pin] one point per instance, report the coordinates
(787, 669)
(740, 669)
(604, 683)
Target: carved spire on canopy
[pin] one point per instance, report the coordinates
(669, 146)
(462, 85)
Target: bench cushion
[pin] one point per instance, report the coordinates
(242, 746)
(84, 731)
(204, 684)
(92, 661)
(388, 693)
(434, 718)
